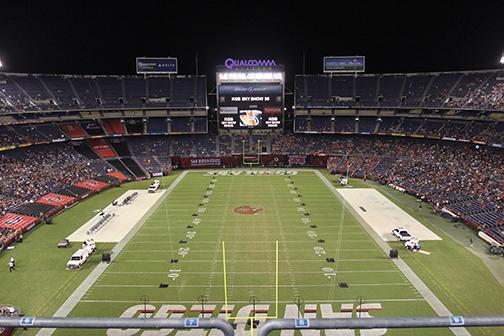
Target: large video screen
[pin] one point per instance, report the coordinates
(250, 105)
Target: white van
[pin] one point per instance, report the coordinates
(78, 258)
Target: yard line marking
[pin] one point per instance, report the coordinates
(225, 277)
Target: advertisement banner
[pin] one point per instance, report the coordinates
(156, 65)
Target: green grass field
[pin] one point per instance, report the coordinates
(455, 275)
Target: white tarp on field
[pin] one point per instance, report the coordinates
(383, 215)
(125, 217)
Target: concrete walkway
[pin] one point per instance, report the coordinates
(420, 286)
(79, 293)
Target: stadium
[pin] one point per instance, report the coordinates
(233, 192)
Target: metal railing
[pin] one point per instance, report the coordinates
(264, 330)
(119, 323)
(380, 322)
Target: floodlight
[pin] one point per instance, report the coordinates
(1, 64)
(501, 60)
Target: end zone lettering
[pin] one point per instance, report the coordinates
(291, 311)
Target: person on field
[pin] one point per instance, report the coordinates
(13, 261)
(11, 266)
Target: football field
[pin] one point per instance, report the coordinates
(279, 241)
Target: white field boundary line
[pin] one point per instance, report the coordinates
(79, 293)
(421, 287)
(204, 273)
(250, 261)
(262, 241)
(247, 302)
(251, 286)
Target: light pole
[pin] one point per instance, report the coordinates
(243, 152)
(258, 151)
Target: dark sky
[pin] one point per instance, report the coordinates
(105, 37)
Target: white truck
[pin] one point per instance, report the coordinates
(78, 259)
(82, 255)
(402, 234)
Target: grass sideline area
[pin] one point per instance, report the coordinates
(457, 276)
(41, 283)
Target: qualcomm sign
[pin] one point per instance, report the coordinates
(231, 63)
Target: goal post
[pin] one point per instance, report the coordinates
(251, 159)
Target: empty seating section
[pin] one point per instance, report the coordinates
(51, 132)
(73, 130)
(102, 148)
(118, 175)
(135, 90)
(367, 125)
(200, 125)
(92, 127)
(9, 137)
(344, 125)
(111, 91)
(157, 126)
(33, 86)
(159, 88)
(86, 91)
(486, 132)
(320, 124)
(414, 89)
(73, 191)
(114, 126)
(32, 209)
(390, 90)
(365, 89)
(59, 88)
(183, 92)
(474, 90)
(133, 166)
(120, 147)
(342, 89)
(20, 92)
(30, 133)
(301, 124)
(180, 125)
(134, 126)
(12, 97)
(440, 89)
(117, 164)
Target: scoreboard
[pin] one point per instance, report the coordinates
(250, 94)
(245, 105)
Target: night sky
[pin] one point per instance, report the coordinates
(91, 37)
